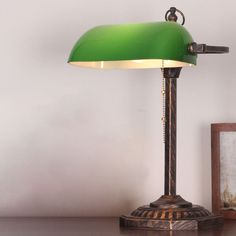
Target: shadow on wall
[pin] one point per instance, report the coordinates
(205, 137)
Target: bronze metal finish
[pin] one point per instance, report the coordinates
(194, 47)
(206, 49)
(170, 201)
(171, 15)
(170, 132)
(193, 221)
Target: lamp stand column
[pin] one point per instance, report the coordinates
(170, 136)
(170, 199)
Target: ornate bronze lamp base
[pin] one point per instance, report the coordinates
(170, 213)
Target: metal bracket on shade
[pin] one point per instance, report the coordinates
(194, 47)
(206, 49)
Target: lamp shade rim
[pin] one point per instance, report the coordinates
(132, 64)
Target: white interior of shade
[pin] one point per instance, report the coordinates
(131, 64)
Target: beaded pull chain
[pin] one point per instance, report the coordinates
(163, 92)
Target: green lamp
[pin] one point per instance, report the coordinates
(169, 46)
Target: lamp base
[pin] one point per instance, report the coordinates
(181, 215)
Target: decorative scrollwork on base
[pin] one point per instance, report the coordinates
(171, 214)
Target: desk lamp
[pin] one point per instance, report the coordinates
(169, 46)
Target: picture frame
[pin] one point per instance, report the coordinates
(223, 154)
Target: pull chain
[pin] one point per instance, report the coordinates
(163, 91)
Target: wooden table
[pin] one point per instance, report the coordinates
(91, 227)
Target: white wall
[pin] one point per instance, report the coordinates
(82, 142)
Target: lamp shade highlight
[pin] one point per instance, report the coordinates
(144, 45)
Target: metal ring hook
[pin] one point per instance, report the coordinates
(172, 16)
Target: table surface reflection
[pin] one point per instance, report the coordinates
(92, 227)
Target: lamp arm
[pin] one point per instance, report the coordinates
(206, 49)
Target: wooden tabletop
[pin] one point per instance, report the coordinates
(92, 227)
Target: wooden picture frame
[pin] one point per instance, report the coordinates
(223, 151)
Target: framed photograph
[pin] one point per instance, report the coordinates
(223, 150)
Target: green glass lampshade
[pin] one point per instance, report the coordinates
(144, 45)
